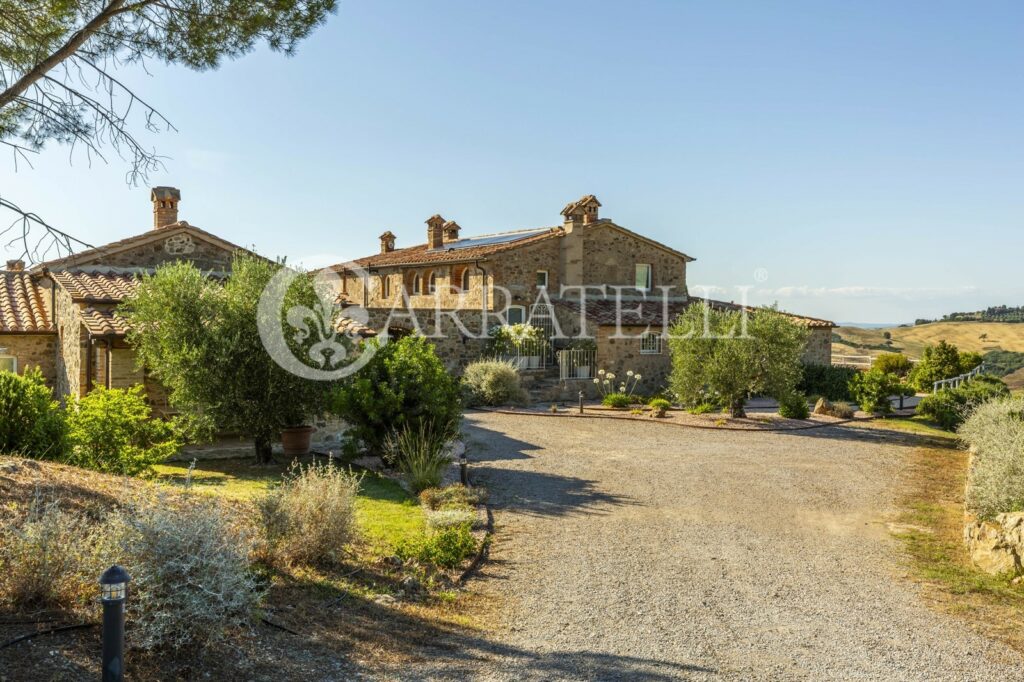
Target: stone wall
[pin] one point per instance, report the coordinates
(819, 346)
(996, 546)
(32, 350)
(620, 355)
(70, 363)
(174, 247)
(610, 257)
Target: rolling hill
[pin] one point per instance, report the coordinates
(970, 336)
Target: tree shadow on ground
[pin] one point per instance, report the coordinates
(529, 492)
(876, 433)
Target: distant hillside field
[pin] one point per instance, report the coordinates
(912, 340)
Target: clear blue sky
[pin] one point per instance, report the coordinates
(868, 156)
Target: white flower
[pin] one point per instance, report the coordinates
(597, 381)
(600, 372)
(638, 377)
(610, 375)
(629, 373)
(606, 382)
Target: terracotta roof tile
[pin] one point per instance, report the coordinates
(109, 286)
(602, 312)
(350, 327)
(452, 252)
(104, 322)
(24, 305)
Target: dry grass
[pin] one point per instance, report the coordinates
(912, 340)
(352, 619)
(931, 528)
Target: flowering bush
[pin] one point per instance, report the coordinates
(513, 339)
(608, 383)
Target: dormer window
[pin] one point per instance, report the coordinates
(643, 280)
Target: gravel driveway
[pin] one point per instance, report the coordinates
(636, 551)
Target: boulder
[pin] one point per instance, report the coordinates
(822, 407)
(997, 546)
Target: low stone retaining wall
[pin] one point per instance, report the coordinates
(996, 546)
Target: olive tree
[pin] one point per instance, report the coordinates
(724, 356)
(200, 339)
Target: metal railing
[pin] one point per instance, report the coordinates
(530, 354)
(852, 360)
(958, 381)
(577, 363)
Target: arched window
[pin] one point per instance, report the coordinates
(432, 283)
(464, 284)
(385, 286)
(417, 284)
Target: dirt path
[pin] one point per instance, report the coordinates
(630, 552)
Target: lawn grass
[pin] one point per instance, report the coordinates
(930, 526)
(387, 515)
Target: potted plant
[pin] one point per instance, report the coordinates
(297, 441)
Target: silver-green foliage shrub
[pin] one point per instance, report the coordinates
(492, 382)
(995, 483)
(310, 517)
(189, 564)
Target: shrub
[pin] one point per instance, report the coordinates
(659, 406)
(189, 564)
(111, 431)
(873, 389)
(942, 361)
(893, 363)
(618, 401)
(310, 517)
(50, 560)
(421, 453)
(446, 548)
(948, 408)
(995, 482)
(703, 408)
(793, 406)
(31, 422)
(455, 496)
(828, 381)
(449, 518)
(492, 382)
(403, 384)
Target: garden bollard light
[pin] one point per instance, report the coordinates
(581, 402)
(464, 470)
(113, 592)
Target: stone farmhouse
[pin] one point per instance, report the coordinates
(588, 276)
(61, 315)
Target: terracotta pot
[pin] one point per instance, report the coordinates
(296, 440)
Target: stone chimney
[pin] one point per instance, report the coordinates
(387, 242)
(16, 265)
(450, 231)
(583, 211)
(165, 206)
(435, 232)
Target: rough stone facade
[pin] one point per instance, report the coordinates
(620, 353)
(819, 346)
(32, 350)
(997, 546)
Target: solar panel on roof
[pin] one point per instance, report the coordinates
(494, 239)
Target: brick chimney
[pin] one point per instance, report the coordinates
(165, 206)
(387, 242)
(435, 232)
(16, 265)
(450, 231)
(583, 211)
